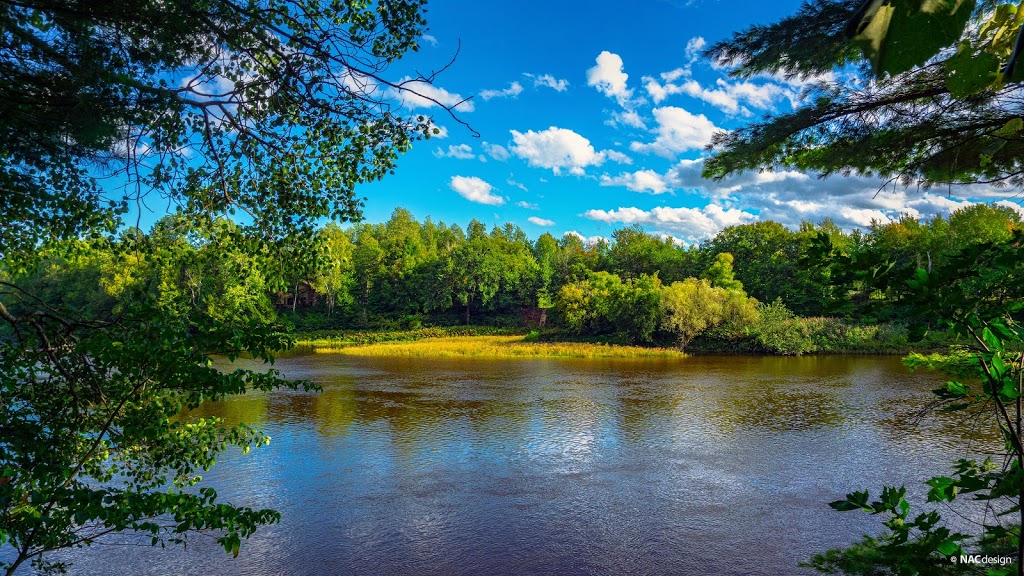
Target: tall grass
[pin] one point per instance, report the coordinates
(498, 347)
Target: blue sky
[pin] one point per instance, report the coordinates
(593, 116)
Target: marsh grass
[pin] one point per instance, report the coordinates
(498, 347)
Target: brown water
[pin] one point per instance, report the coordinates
(708, 465)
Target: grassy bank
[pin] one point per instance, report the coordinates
(785, 336)
(496, 346)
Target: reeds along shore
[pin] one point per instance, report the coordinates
(498, 347)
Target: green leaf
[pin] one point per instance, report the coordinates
(991, 339)
(998, 367)
(1010, 129)
(948, 548)
(944, 489)
(906, 33)
(968, 73)
(952, 390)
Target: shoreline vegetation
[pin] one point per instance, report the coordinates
(518, 346)
(813, 336)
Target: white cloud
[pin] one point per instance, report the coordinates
(442, 132)
(548, 81)
(514, 89)
(677, 131)
(417, 94)
(616, 156)
(475, 190)
(626, 118)
(496, 151)
(609, 79)
(512, 182)
(729, 97)
(639, 181)
(527, 205)
(541, 221)
(587, 240)
(791, 196)
(359, 84)
(461, 151)
(1012, 206)
(690, 224)
(429, 39)
(693, 48)
(557, 149)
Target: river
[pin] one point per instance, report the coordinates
(705, 465)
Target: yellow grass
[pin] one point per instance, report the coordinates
(499, 347)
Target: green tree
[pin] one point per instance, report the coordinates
(333, 279)
(765, 254)
(274, 111)
(720, 273)
(367, 267)
(942, 112)
(691, 307)
(477, 270)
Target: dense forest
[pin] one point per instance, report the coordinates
(755, 287)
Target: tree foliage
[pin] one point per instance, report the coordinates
(940, 106)
(271, 112)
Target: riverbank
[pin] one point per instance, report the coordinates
(808, 336)
(494, 346)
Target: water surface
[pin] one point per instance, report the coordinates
(706, 465)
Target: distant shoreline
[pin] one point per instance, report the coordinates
(493, 342)
(491, 346)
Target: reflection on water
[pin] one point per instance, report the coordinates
(711, 465)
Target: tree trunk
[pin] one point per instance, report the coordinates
(467, 312)
(295, 297)
(14, 565)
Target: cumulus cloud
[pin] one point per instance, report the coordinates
(548, 81)
(762, 92)
(587, 240)
(690, 224)
(639, 181)
(677, 131)
(514, 89)
(475, 190)
(791, 197)
(496, 151)
(429, 39)
(609, 79)
(461, 151)
(527, 205)
(416, 94)
(729, 97)
(541, 221)
(1012, 206)
(557, 149)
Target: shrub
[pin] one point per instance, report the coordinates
(778, 330)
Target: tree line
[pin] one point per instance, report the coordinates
(756, 281)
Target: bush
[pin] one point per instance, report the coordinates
(778, 330)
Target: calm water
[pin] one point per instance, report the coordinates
(714, 465)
